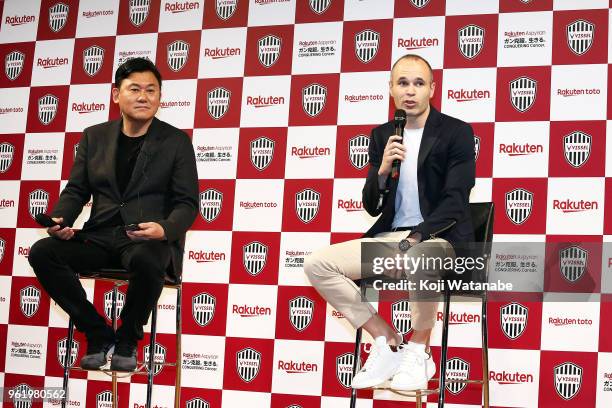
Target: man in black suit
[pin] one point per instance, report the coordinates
(138, 170)
(427, 205)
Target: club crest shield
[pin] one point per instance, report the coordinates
(568, 380)
(159, 357)
(178, 54)
(301, 310)
(58, 15)
(203, 308)
(268, 50)
(29, 300)
(2, 249)
(38, 202)
(457, 369)
(254, 257)
(471, 40)
(580, 35)
(319, 6)
(218, 102)
(577, 148)
(211, 201)
(358, 151)
(261, 152)
(47, 108)
(313, 99)
(344, 369)
(197, 403)
(7, 152)
(513, 320)
(307, 205)
(573, 262)
(13, 64)
(61, 352)
(248, 362)
(23, 390)
(400, 316)
(104, 399)
(519, 203)
(108, 304)
(523, 93)
(225, 9)
(419, 3)
(476, 146)
(139, 11)
(93, 58)
(366, 45)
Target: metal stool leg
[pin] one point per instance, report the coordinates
(67, 361)
(357, 357)
(151, 362)
(485, 352)
(444, 348)
(114, 321)
(179, 355)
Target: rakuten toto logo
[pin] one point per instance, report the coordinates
(468, 95)
(363, 98)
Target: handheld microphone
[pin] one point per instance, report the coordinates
(400, 122)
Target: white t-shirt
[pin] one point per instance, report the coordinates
(407, 206)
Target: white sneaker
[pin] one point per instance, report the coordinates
(415, 370)
(381, 364)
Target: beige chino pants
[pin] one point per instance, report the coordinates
(332, 270)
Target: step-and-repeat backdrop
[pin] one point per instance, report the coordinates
(279, 97)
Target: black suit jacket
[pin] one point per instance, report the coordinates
(163, 187)
(445, 173)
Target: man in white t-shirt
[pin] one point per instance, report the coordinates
(426, 206)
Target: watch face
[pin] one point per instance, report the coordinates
(404, 245)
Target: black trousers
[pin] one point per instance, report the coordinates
(56, 261)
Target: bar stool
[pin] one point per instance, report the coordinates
(482, 220)
(120, 277)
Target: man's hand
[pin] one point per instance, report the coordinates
(148, 230)
(393, 150)
(65, 233)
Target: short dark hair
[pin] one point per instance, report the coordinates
(136, 65)
(414, 57)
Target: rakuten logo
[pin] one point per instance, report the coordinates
(576, 92)
(178, 7)
(216, 53)
(350, 205)
(417, 43)
(568, 205)
(306, 152)
(464, 95)
(265, 101)
(249, 205)
(564, 321)
(23, 251)
(251, 311)
(506, 378)
(83, 107)
(292, 367)
(514, 149)
(337, 314)
(201, 256)
(19, 20)
(456, 318)
(363, 98)
(47, 63)
(4, 203)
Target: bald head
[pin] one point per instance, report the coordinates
(413, 57)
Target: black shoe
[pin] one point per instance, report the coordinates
(124, 357)
(99, 346)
